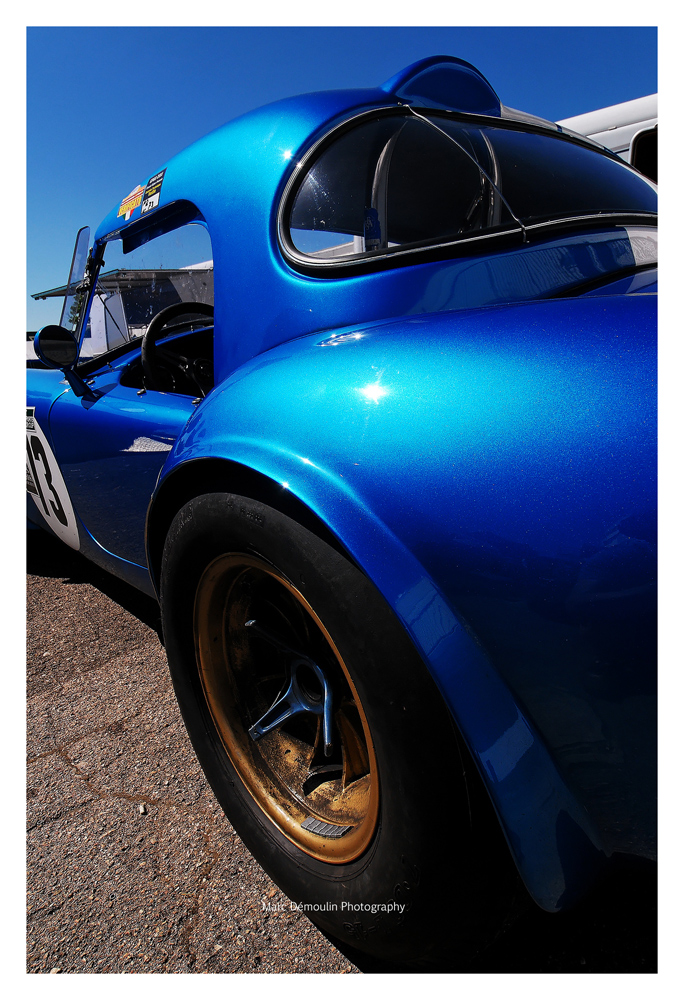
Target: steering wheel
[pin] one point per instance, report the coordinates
(164, 369)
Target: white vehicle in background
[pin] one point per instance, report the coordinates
(629, 129)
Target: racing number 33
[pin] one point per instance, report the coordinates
(45, 483)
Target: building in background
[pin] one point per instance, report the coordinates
(127, 300)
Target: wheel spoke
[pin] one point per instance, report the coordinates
(355, 753)
(274, 639)
(319, 775)
(179, 360)
(286, 708)
(298, 697)
(289, 704)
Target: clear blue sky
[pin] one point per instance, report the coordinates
(92, 136)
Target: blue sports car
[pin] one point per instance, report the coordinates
(380, 435)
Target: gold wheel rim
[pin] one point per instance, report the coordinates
(326, 806)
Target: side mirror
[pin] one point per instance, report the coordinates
(56, 347)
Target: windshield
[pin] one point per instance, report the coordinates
(76, 289)
(132, 288)
(396, 180)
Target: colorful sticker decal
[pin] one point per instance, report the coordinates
(130, 203)
(45, 484)
(152, 191)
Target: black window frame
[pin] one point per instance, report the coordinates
(431, 250)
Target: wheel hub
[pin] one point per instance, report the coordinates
(301, 695)
(285, 707)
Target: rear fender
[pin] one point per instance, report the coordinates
(533, 804)
(359, 430)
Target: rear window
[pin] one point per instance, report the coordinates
(396, 180)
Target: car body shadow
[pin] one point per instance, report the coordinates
(47, 556)
(613, 930)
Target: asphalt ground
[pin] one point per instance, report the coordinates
(132, 866)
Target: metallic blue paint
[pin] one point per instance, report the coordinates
(234, 178)
(44, 388)
(487, 460)
(445, 81)
(111, 453)
(478, 518)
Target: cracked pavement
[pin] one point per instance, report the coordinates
(131, 864)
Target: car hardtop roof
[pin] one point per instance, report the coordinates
(255, 148)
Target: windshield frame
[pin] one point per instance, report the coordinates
(174, 217)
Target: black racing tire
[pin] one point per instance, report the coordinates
(424, 836)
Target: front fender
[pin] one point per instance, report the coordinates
(472, 465)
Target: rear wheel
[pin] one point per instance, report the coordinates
(285, 707)
(324, 737)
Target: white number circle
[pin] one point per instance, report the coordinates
(46, 485)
